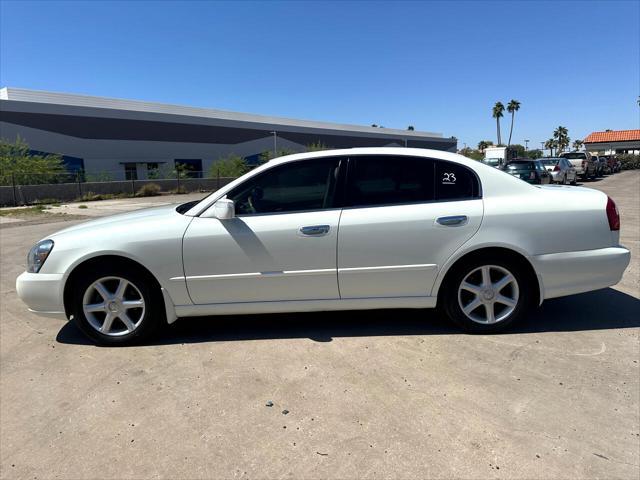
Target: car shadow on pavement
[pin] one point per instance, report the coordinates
(602, 309)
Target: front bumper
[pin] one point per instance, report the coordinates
(42, 293)
(568, 273)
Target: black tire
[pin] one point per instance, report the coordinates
(151, 315)
(450, 297)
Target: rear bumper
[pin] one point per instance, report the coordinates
(42, 293)
(568, 273)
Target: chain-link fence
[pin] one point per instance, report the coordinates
(27, 188)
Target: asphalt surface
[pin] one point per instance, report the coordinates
(394, 394)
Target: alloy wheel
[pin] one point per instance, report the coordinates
(488, 294)
(113, 306)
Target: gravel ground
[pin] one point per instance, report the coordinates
(392, 394)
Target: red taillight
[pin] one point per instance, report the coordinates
(612, 215)
(556, 168)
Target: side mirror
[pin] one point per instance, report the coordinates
(224, 209)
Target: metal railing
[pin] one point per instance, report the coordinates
(26, 188)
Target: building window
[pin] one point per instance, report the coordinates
(130, 171)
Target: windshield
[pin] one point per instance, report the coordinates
(494, 162)
(549, 162)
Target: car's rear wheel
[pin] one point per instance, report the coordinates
(116, 306)
(487, 295)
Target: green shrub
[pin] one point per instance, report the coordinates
(180, 190)
(149, 190)
(231, 166)
(629, 161)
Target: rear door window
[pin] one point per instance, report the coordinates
(390, 180)
(455, 182)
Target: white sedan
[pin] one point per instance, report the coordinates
(363, 228)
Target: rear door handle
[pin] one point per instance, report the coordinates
(452, 221)
(315, 230)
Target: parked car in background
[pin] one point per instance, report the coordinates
(560, 169)
(531, 171)
(613, 163)
(602, 167)
(362, 228)
(582, 162)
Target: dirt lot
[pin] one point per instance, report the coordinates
(369, 394)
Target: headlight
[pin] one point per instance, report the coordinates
(37, 255)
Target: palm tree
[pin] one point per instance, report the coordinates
(483, 144)
(498, 110)
(551, 144)
(561, 135)
(512, 108)
(410, 127)
(577, 144)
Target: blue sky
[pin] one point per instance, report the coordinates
(439, 66)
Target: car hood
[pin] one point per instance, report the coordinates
(137, 218)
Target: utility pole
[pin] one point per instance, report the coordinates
(275, 144)
(542, 147)
(526, 145)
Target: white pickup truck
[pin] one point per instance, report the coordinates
(583, 163)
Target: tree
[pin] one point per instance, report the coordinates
(230, 166)
(550, 145)
(577, 144)
(520, 150)
(498, 113)
(561, 136)
(317, 147)
(19, 165)
(470, 153)
(410, 127)
(483, 144)
(269, 155)
(534, 153)
(512, 108)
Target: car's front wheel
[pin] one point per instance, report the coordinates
(486, 296)
(116, 306)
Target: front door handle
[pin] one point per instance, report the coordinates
(315, 230)
(452, 221)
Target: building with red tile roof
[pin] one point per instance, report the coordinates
(613, 141)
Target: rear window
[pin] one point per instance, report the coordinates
(550, 161)
(521, 166)
(574, 155)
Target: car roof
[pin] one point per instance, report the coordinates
(365, 151)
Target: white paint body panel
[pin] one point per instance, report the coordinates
(396, 251)
(261, 258)
(377, 257)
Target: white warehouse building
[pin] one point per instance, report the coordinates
(129, 138)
